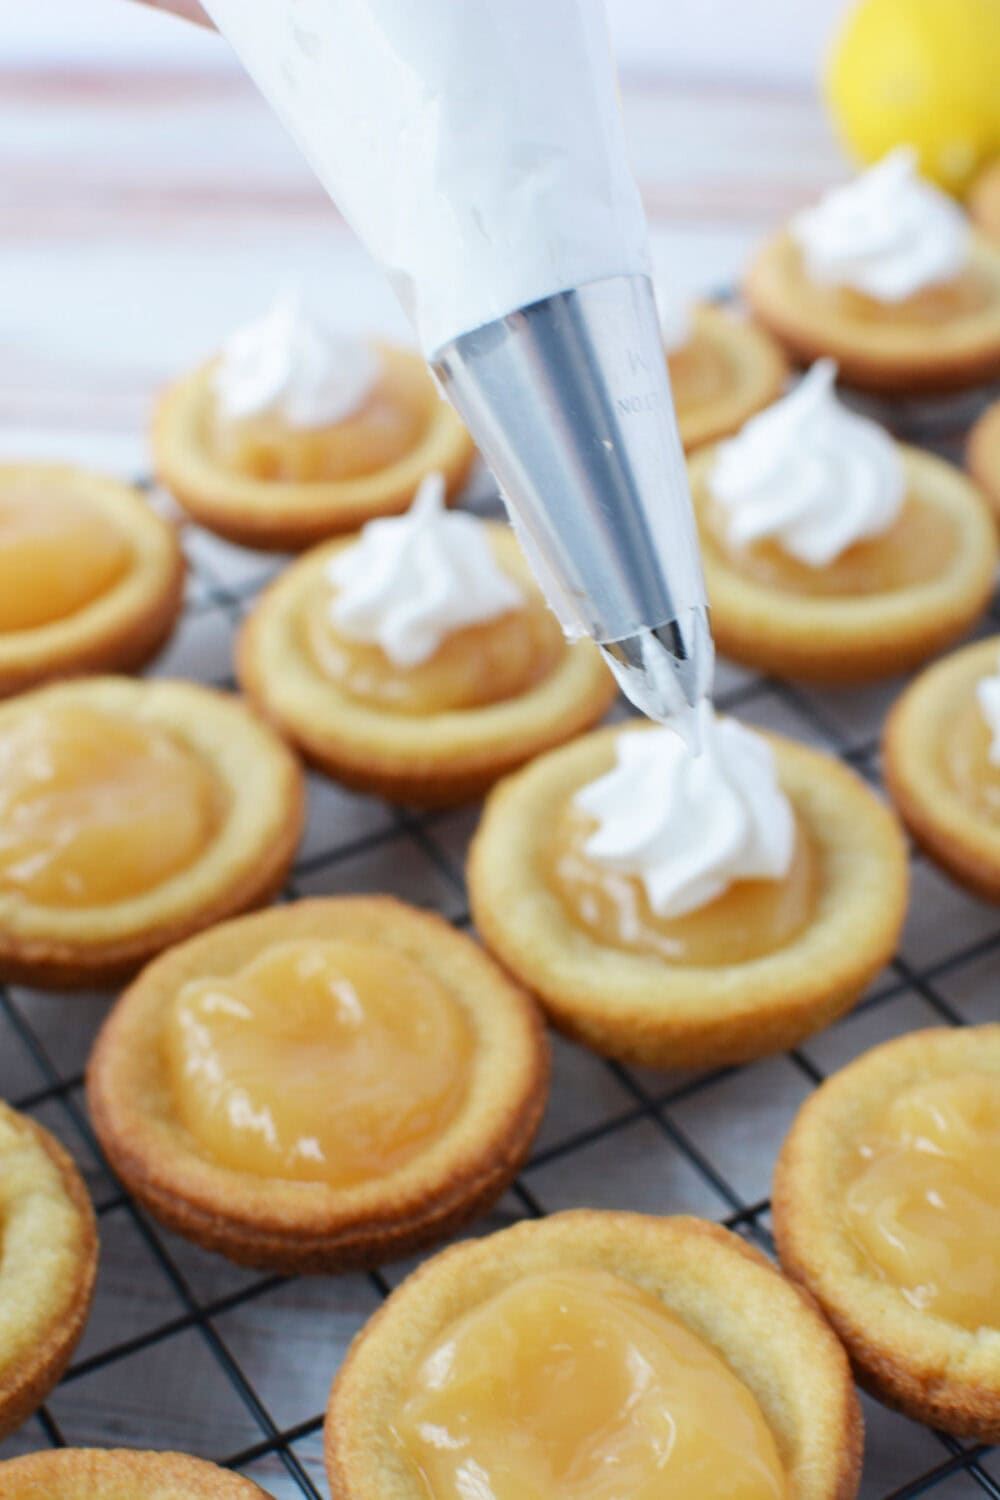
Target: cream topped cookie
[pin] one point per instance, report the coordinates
(411, 581)
(889, 233)
(810, 474)
(290, 365)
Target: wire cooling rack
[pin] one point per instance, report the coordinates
(184, 1350)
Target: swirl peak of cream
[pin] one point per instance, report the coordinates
(688, 825)
(808, 474)
(988, 696)
(288, 364)
(411, 580)
(888, 234)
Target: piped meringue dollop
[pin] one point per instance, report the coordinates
(687, 826)
(809, 474)
(676, 318)
(988, 697)
(289, 365)
(412, 580)
(889, 233)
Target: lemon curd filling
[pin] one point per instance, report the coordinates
(965, 752)
(57, 554)
(968, 295)
(477, 665)
(331, 1061)
(578, 1385)
(917, 548)
(700, 373)
(389, 424)
(751, 918)
(923, 1204)
(965, 296)
(97, 808)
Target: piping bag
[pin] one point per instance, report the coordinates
(476, 147)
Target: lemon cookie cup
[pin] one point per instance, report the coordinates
(257, 510)
(120, 1474)
(134, 813)
(48, 1264)
(865, 1149)
(91, 578)
(939, 772)
(433, 758)
(702, 1287)
(728, 369)
(883, 606)
(943, 339)
(644, 1007)
(353, 1180)
(982, 455)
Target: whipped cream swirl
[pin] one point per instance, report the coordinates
(988, 695)
(809, 474)
(288, 364)
(676, 318)
(687, 826)
(889, 233)
(412, 580)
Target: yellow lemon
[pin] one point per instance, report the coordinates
(922, 72)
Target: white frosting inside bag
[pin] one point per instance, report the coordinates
(412, 580)
(687, 826)
(477, 149)
(287, 364)
(808, 474)
(889, 233)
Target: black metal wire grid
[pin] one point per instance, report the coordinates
(185, 1351)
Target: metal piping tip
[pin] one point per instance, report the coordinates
(667, 671)
(569, 402)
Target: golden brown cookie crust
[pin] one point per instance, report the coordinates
(120, 1474)
(955, 835)
(771, 1337)
(637, 1007)
(433, 760)
(759, 371)
(48, 1269)
(287, 516)
(243, 866)
(899, 359)
(984, 201)
(125, 626)
(310, 1226)
(933, 1370)
(824, 638)
(982, 455)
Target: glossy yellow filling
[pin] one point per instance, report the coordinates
(475, 666)
(321, 1061)
(578, 1385)
(965, 297)
(96, 807)
(965, 751)
(917, 548)
(700, 374)
(389, 425)
(924, 1202)
(750, 919)
(58, 553)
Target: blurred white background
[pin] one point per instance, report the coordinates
(769, 40)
